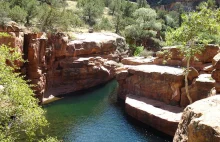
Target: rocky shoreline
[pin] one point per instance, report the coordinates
(154, 93)
(152, 88)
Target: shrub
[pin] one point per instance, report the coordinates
(146, 53)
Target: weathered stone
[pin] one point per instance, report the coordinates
(200, 122)
(208, 53)
(216, 75)
(137, 61)
(172, 52)
(35, 51)
(208, 68)
(193, 73)
(216, 61)
(171, 56)
(168, 62)
(122, 75)
(58, 65)
(217, 87)
(156, 82)
(71, 75)
(200, 89)
(159, 115)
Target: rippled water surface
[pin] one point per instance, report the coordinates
(94, 116)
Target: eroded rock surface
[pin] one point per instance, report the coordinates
(200, 88)
(171, 56)
(72, 74)
(137, 61)
(60, 63)
(86, 61)
(161, 83)
(159, 115)
(200, 122)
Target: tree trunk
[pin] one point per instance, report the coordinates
(186, 81)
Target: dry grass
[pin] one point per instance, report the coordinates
(71, 5)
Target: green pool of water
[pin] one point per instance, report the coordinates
(94, 116)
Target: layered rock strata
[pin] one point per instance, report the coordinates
(137, 61)
(60, 65)
(171, 56)
(200, 88)
(158, 115)
(216, 72)
(66, 62)
(161, 83)
(149, 92)
(200, 122)
(149, 89)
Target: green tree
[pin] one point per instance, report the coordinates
(129, 9)
(4, 12)
(30, 6)
(117, 6)
(122, 14)
(19, 114)
(103, 24)
(145, 27)
(18, 14)
(92, 9)
(198, 29)
(142, 3)
(53, 18)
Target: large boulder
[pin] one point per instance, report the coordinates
(161, 83)
(216, 71)
(172, 56)
(200, 122)
(88, 44)
(137, 61)
(201, 88)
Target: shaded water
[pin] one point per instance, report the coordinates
(94, 116)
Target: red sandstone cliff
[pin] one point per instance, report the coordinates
(57, 64)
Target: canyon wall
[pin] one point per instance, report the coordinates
(66, 62)
(154, 88)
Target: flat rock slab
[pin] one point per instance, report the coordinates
(95, 37)
(157, 69)
(200, 89)
(158, 115)
(137, 61)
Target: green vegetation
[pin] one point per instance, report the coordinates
(140, 24)
(145, 28)
(20, 115)
(138, 50)
(198, 29)
(91, 10)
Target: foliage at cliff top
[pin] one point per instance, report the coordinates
(20, 115)
(82, 15)
(198, 28)
(145, 27)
